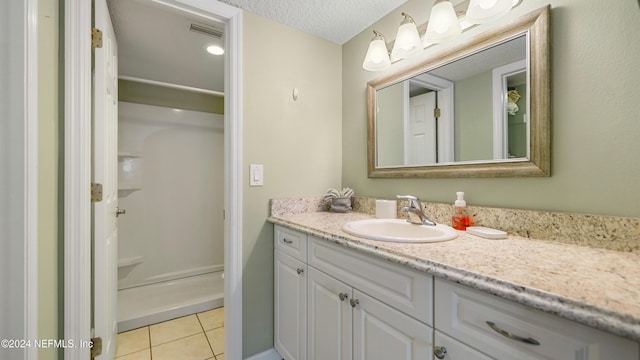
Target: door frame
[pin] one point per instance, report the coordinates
(77, 169)
(500, 117)
(19, 186)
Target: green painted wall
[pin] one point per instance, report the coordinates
(473, 131)
(49, 291)
(595, 107)
(390, 144)
(298, 142)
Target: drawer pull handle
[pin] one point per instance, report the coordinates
(512, 336)
(354, 302)
(343, 296)
(439, 352)
(286, 241)
(299, 270)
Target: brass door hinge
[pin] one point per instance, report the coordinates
(96, 38)
(96, 192)
(436, 112)
(96, 347)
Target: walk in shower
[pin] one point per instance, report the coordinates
(171, 239)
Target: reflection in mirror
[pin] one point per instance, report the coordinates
(479, 110)
(456, 112)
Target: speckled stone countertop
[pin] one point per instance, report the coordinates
(592, 286)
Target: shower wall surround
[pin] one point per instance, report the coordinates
(606, 232)
(171, 184)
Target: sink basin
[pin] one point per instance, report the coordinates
(399, 230)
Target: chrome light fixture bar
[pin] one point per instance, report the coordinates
(446, 22)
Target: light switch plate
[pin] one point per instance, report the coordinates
(256, 175)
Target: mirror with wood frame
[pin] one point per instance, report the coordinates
(480, 109)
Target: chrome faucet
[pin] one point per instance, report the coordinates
(414, 211)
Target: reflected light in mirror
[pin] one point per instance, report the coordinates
(408, 41)
(377, 57)
(443, 23)
(484, 11)
(215, 50)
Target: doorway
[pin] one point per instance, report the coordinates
(77, 211)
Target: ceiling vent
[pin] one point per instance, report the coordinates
(207, 30)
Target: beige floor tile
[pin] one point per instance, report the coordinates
(139, 355)
(132, 341)
(174, 329)
(220, 357)
(193, 347)
(212, 319)
(216, 339)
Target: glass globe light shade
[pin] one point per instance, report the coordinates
(408, 41)
(377, 57)
(484, 11)
(443, 23)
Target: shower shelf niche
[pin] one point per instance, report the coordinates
(130, 155)
(130, 261)
(129, 172)
(125, 189)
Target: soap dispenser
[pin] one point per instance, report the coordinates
(460, 218)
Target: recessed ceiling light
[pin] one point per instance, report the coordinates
(215, 50)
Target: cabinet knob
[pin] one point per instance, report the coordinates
(354, 302)
(343, 296)
(439, 352)
(511, 336)
(299, 270)
(120, 211)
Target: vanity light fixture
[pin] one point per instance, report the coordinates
(484, 11)
(408, 41)
(446, 22)
(443, 23)
(377, 57)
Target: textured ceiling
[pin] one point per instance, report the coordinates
(335, 20)
(155, 43)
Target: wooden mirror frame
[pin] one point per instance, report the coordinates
(537, 24)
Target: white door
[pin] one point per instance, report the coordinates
(329, 319)
(105, 162)
(382, 333)
(421, 132)
(290, 303)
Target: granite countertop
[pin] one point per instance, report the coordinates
(596, 287)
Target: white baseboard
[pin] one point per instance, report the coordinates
(270, 354)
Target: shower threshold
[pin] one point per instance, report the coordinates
(151, 304)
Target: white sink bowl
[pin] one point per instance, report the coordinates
(399, 230)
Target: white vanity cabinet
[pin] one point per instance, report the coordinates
(445, 347)
(504, 329)
(355, 307)
(330, 317)
(332, 302)
(345, 323)
(290, 294)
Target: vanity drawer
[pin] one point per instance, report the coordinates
(404, 289)
(477, 319)
(291, 242)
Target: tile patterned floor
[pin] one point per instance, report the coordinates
(194, 337)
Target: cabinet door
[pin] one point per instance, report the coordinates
(382, 333)
(290, 307)
(329, 328)
(451, 349)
